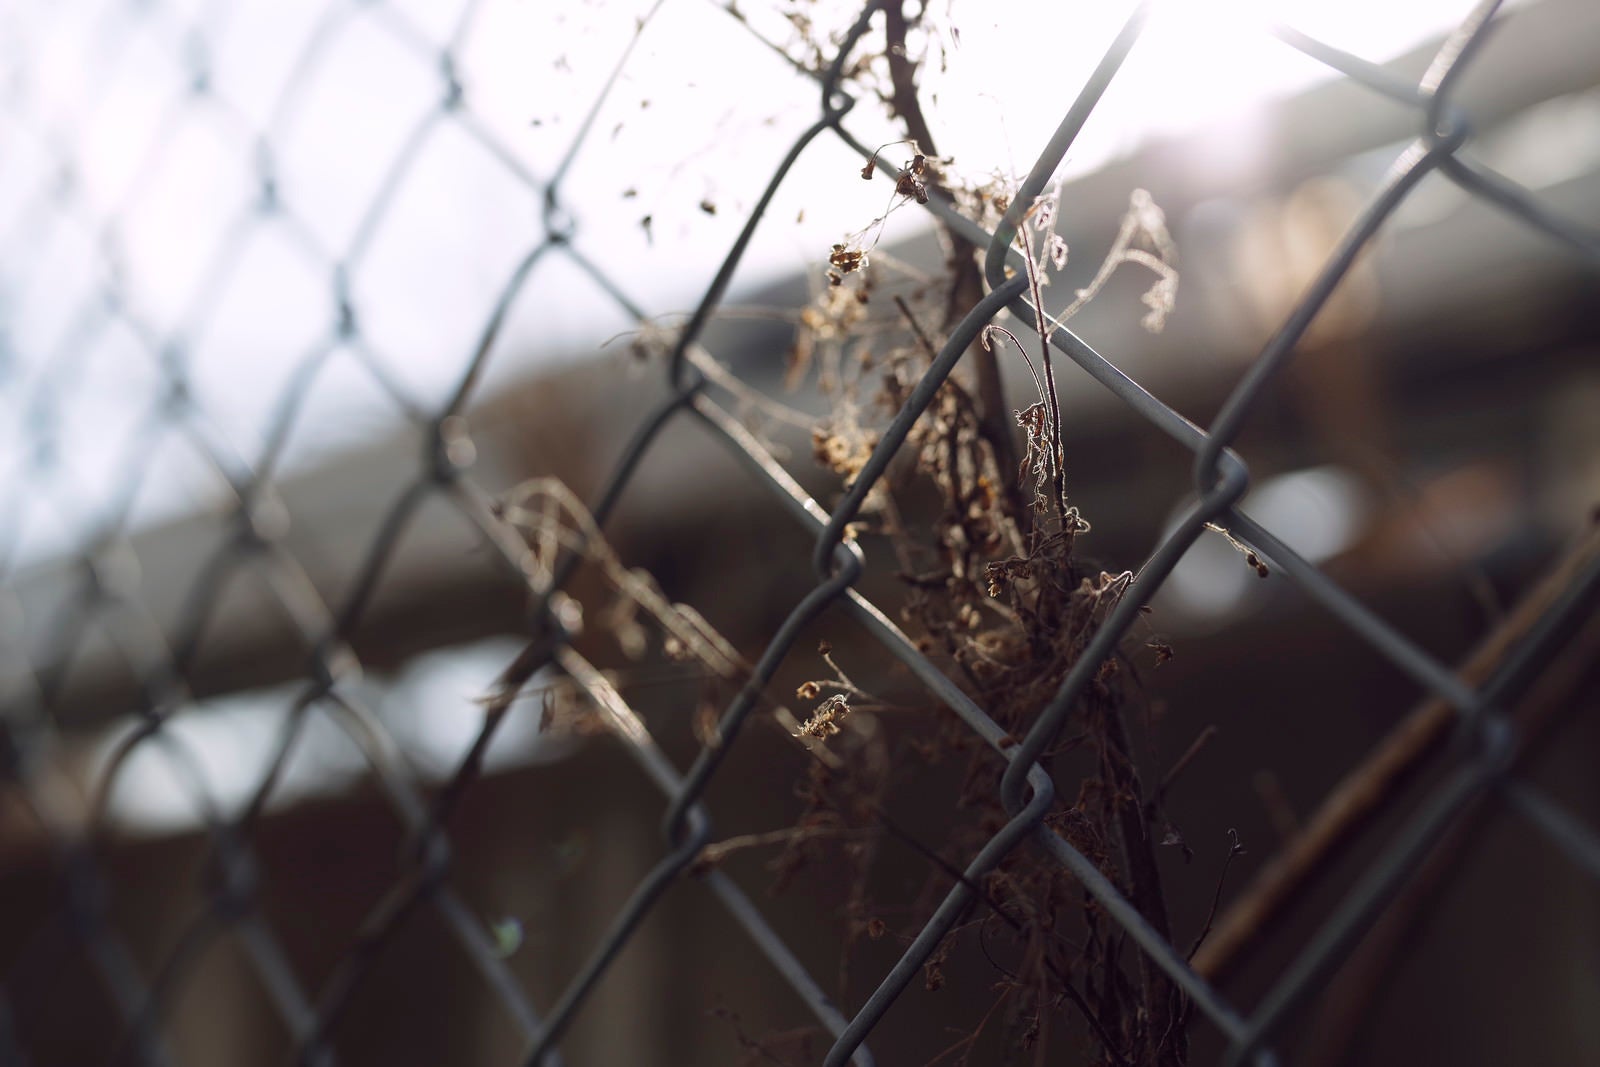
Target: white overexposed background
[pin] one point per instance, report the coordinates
(115, 178)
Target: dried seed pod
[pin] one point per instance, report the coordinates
(910, 183)
(847, 260)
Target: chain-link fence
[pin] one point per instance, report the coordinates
(47, 646)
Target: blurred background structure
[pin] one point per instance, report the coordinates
(294, 296)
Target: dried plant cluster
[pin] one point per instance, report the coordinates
(978, 518)
(561, 533)
(996, 592)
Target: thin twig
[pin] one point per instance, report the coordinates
(1144, 882)
(1058, 457)
(966, 282)
(1360, 797)
(1234, 849)
(923, 340)
(714, 853)
(1184, 760)
(995, 327)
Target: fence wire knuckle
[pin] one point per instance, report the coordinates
(164, 655)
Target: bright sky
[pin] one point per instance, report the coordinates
(698, 120)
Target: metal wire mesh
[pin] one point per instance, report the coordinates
(160, 658)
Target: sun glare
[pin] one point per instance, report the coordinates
(1014, 66)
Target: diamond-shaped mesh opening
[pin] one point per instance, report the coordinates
(329, 736)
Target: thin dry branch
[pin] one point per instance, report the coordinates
(1362, 794)
(1351, 991)
(553, 519)
(966, 282)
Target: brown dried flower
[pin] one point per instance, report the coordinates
(824, 722)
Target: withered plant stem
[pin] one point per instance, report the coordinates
(1183, 761)
(1058, 458)
(906, 837)
(966, 282)
(1166, 1041)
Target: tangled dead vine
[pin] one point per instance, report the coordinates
(996, 591)
(986, 538)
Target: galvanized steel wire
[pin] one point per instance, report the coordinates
(161, 657)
